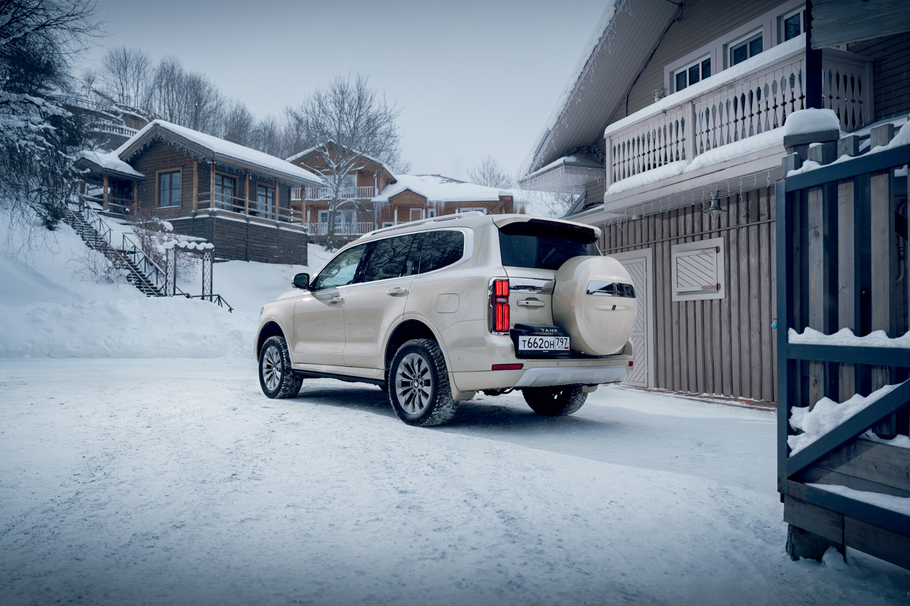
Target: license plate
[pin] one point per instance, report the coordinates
(542, 343)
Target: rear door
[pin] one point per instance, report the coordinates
(376, 302)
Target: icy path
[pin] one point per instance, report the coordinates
(177, 482)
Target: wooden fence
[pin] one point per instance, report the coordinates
(842, 263)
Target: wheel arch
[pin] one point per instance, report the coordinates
(269, 329)
(407, 330)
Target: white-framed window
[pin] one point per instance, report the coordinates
(792, 24)
(387, 224)
(697, 270)
(467, 209)
(431, 212)
(745, 48)
(690, 74)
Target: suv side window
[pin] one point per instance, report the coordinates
(389, 259)
(341, 270)
(440, 249)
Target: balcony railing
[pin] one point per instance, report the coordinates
(342, 229)
(737, 107)
(239, 205)
(325, 193)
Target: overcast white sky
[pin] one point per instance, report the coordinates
(472, 77)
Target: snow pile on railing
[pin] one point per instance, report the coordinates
(826, 415)
(845, 337)
(885, 501)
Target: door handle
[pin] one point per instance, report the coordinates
(335, 300)
(530, 303)
(397, 291)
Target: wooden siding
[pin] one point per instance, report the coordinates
(891, 72)
(721, 346)
(160, 157)
(703, 22)
(242, 241)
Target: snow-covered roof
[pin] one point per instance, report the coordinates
(108, 161)
(310, 150)
(213, 147)
(438, 188)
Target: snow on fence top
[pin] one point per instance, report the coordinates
(217, 147)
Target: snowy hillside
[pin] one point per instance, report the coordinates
(51, 304)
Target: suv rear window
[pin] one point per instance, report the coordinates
(544, 244)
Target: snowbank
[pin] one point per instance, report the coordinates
(54, 303)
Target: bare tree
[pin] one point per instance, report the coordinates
(491, 173)
(38, 136)
(237, 124)
(126, 75)
(345, 122)
(185, 98)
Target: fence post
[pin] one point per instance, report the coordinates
(883, 242)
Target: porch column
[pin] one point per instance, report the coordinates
(212, 185)
(277, 198)
(246, 193)
(195, 186)
(135, 196)
(105, 195)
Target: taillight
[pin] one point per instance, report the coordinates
(499, 302)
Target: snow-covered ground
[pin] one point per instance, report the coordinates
(141, 464)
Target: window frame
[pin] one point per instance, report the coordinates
(158, 189)
(747, 42)
(269, 212)
(215, 194)
(677, 251)
(685, 69)
(801, 12)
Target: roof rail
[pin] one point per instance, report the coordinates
(382, 230)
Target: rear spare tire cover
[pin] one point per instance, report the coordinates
(592, 302)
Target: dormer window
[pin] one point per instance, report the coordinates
(689, 75)
(746, 48)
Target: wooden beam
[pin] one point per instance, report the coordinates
(212, 185)
(849, 429)
(104, 191)
(841, 21)
(195, 185)
(823, 522)
(858, 510)
(277, 197)
(246, 193)
(849, 354)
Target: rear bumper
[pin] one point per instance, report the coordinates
(545, 377)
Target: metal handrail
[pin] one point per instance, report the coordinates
(138, 257)
(216, 299)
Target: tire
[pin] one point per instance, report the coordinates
(275, 375)
(556, 401)
(419, 387)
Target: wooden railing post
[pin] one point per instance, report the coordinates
(106, 193)
(691, 147)
(884, 273)
(608, 163)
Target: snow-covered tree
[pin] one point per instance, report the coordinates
(491, 173)
(344, 123)
(38, 136)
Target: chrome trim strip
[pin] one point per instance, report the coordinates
(532, 285)
(611, 289)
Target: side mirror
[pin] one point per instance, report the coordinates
(302, 281)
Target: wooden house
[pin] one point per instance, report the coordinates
(237, 198)
(673, 128)
(372, 197)
(365, 177)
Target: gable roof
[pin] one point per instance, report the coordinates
(438, 188)
(313, 149)
(212, 148)
(618, 49)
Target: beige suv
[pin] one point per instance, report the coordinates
(435, 311)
